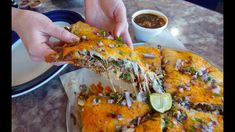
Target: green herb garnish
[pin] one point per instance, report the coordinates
(199, 120)
(128, 76)
(191, 70)
(113, 95)
(191, 129)
(103, 33)
(115, 63)
(99, 40)
(120, 52)
(83, 88)
(119, 39)
(209, 79)
(217, 95)
(115, 71)
(97, 57)
(183, 116)
(119, 45)
(168, 122)
(199, 78)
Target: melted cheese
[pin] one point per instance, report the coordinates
(205, 117)
(151, 125)
(201, 91)
(96, 117)
(154, 63)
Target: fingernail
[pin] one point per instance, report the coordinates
(76, 39)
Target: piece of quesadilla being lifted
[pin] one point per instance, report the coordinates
(100, 52)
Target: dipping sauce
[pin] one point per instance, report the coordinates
(149, 20)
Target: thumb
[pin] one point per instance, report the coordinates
(62, 34)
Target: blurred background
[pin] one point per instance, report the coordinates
(216, 5)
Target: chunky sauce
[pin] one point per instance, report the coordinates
(149, 21)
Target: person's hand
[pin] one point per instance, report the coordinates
(109, 15)
(35, 30)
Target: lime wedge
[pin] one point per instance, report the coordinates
(161, 102)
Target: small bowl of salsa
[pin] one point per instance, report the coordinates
(148, 23)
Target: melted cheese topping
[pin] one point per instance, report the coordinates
(151, 125)
(97, 117)
(200, 92)
(206, 118)
(154, 63)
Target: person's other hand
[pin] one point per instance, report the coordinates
(109, 15)
(35, 30)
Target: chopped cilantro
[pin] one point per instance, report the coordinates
(83, 88)
(217, 95)
(115, 71)
(183, 116)
(168, 122)
(119, 39)
(199, 120)
(192, 70)
(199, 78)
(115, 63)
(191, 129)
(120, 52)
(113, 95)
(97, 57)
(113, 113)
(103, 33)
(209, 78)
(99, 40)
(128, 76)
(119, 45)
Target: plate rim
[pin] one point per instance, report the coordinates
(55, 16)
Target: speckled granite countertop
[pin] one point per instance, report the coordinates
(201, 31)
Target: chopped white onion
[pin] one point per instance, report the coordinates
(123, 102)
(110, 37)
(216, 90)
(111, 45)
(81, 102)
(174, 121)
(181, 90)
(84, 37)
(149, 55)
(100, 44)
(110, 101)
(128, 99)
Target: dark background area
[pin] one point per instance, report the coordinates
(215, 5)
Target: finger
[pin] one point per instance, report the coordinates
(55, 44)
(63, 34)
(39, 51)
(127, 38)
